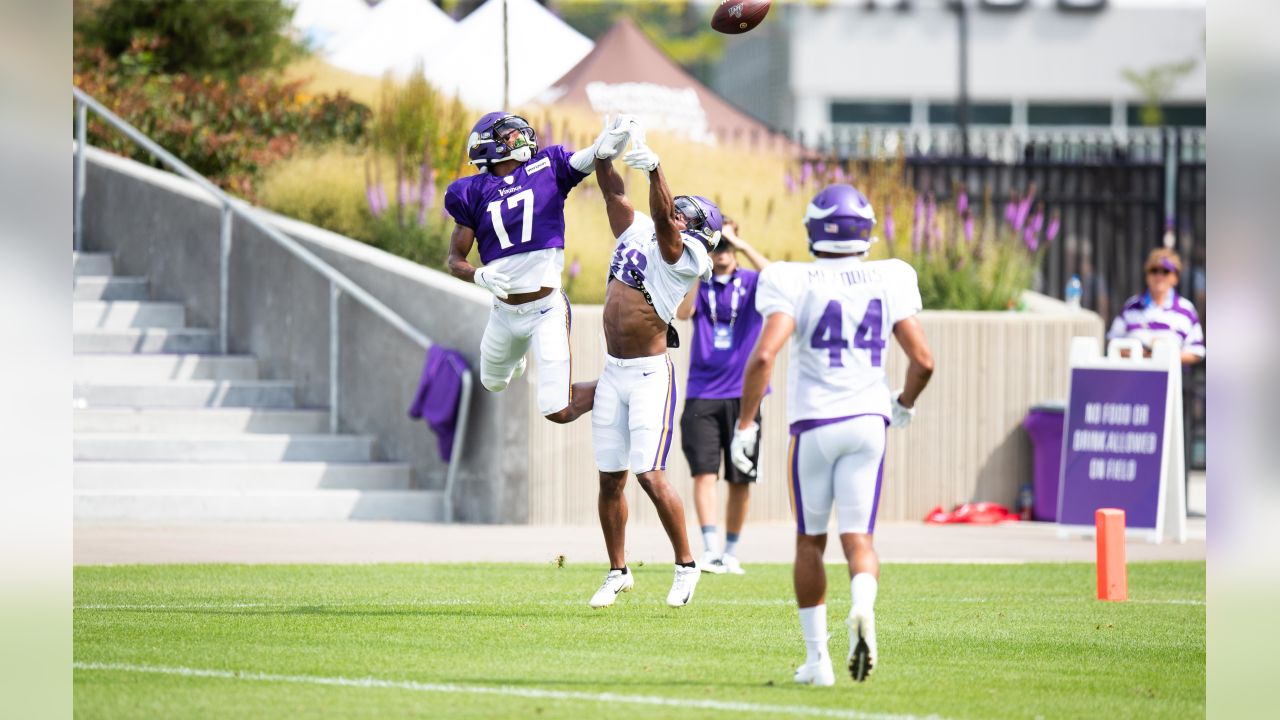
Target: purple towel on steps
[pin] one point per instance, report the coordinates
(436, 400)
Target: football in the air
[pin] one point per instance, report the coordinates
(738, 16)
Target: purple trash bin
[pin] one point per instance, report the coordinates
(1044, 426)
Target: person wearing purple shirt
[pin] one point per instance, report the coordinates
(513, 209)
(725, 328)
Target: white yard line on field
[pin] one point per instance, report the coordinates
(502, 690)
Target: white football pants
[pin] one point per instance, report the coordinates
(633, 415)
(837, 463)
(543, 324)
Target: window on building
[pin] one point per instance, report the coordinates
(979, 113)
(1068, 114)
(1175, 115)
(859, 113)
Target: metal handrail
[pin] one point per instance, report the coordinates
(231, 207)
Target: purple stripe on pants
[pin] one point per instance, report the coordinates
(795, 483)
(671, 412)
(875, 502)
(665, 446)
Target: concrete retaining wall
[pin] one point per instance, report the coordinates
(161, 226)
(966, 442)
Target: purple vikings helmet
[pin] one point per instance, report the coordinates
(701, 218)
(840, 219)
(487, 146)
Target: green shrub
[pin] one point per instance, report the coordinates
(325, 189)
(964, 263)
(227, 38)
(426, 244)
(227, 130)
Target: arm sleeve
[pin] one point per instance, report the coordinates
(584, 160)
(904, 294)
(567, 176)
(456, 205)
(772, 293)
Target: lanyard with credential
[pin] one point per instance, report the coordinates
(732, 302)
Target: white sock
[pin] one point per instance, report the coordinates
(813, 625)
(863, 589)
(711, 539)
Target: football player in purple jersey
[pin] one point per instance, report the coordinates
(514, 210)
(654, 264)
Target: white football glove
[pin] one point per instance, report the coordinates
(743, 446)
(901, 415)
(614, 137)
(641, 158)
(493, 281)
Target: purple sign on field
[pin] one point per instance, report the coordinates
(1113, 445)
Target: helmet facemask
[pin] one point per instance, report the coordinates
(696, 221)
(507, 137)
(516, 136)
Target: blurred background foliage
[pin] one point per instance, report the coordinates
(371, 160)
(225, 38)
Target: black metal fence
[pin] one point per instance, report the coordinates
(1117, 199)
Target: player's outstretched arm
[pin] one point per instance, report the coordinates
(910, 335)
(778, 328)
(662, 206)
(746, 433)
(616, 203)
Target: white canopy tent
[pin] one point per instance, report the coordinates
(541, 48)
(397, 35)
(320, 23)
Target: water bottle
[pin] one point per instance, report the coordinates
(1074, 291)
(1026, 500)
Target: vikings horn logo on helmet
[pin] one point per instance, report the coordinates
(840, 219)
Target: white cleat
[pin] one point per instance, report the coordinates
(615, 582)
(816, 673)
(731, 565)
(682, 587)
(711, 563)
(862, 644)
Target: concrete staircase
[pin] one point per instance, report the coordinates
(167, 430)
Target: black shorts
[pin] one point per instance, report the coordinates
(706, 427)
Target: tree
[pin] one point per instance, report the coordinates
(225, 38)
(1155, 84)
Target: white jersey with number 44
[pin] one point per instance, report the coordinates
(845, 310)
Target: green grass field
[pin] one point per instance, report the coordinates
(482, 641)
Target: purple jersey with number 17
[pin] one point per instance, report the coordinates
(519, 213)
(845, 310)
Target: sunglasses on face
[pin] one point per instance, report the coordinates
(1159, 271)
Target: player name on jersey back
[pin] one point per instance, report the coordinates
(845, 310)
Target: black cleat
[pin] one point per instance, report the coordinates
(860, 661)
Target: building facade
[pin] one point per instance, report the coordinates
(1033, 65)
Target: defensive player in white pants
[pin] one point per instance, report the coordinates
(840, 308)
(514, 210)
(654, 264)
